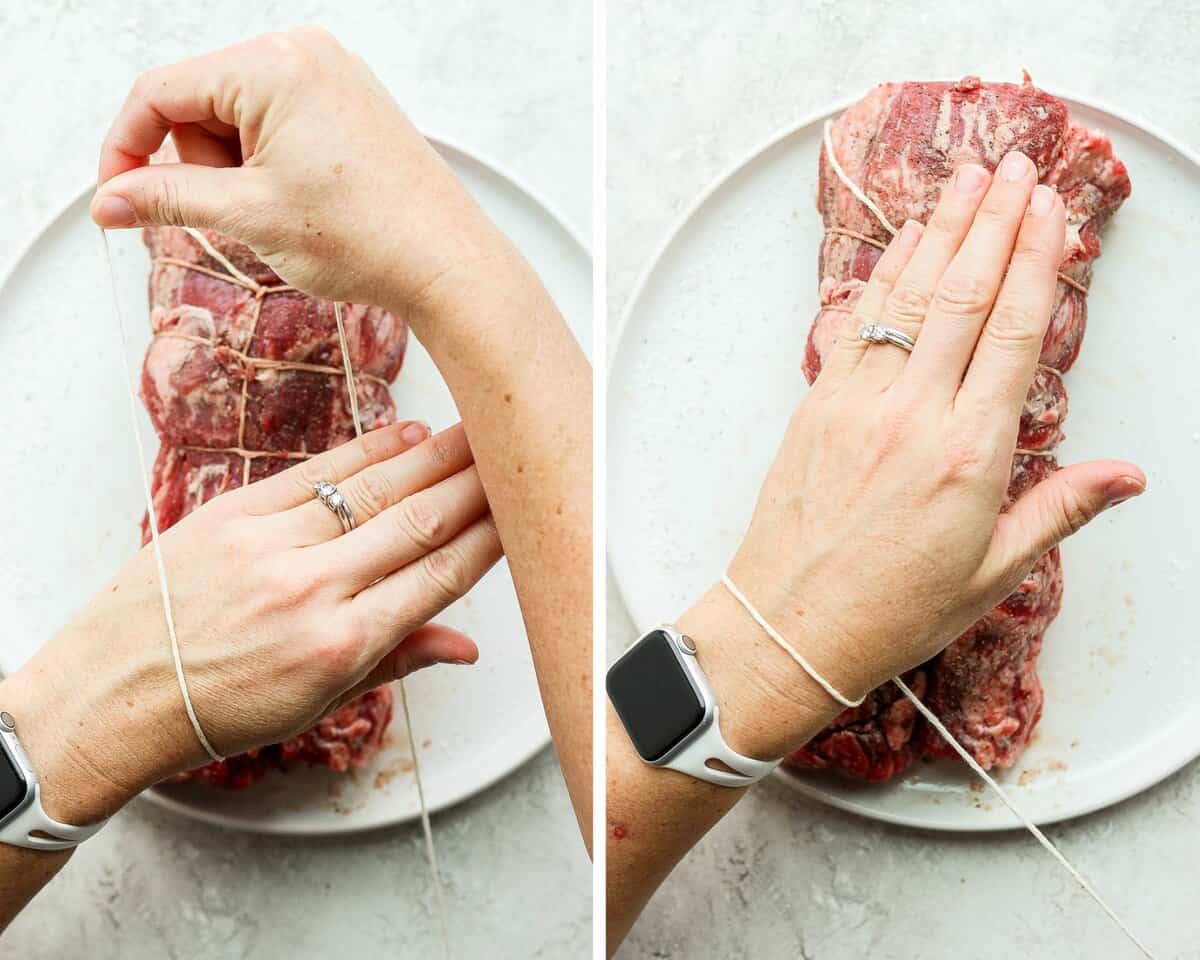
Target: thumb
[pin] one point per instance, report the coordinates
(426, 646)
(1059, 506)
(177, 195)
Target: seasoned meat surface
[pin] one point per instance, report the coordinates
(243, 379)
(900, 144)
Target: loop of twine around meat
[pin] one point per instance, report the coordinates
(867, 202)
(250, 363)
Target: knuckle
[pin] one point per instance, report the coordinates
(1036, 247)
(887, 268)
(490, 532)
(895, 425)
(314, 35)
(1073, 512)
(439, 450)
(378, 444)
(962, 294)
(373, 492)
(343, 651)
(1012, 324)
(420, 521)
(255, 214)
(907, 301)
(292, 60)
(308, 473)
(162, 202)
(145, 84)
(994, 213)
(963, 461)
(287, 585)
(946, 224)
(445, 573)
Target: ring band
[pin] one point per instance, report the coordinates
(873, 333)
(329, 495)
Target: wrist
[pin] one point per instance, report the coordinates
(769, 705)
(468, 302)
(94, 743)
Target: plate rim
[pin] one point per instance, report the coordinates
(159, 796)
(1155, 773)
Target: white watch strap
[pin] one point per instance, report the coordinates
(34, 829)
(693, 759)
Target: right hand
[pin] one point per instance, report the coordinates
(289, 144)
(878, 535)
(280, 617)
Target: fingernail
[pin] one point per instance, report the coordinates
(415, 432)
(970, 178)
(461, 663)
(1042, 201)
(1122, 489)
(1014, 166)
(114, 212)
(910, 233)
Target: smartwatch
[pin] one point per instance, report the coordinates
(23, 822)
(662, 697)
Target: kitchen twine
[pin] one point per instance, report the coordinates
(928, 714)
(937, 725)
(426, 826)
(352, 391)
(250, 363)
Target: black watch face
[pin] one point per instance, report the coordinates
(12, 784)
(653, 696)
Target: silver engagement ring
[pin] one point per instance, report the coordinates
(873, 333)
(329, 495)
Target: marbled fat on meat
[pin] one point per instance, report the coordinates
(900, 144)
(217, 346)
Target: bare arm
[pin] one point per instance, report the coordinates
(523, 388)
(292, 146)
(878, 535)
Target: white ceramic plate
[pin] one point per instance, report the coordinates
(706, 370)
(66, 441)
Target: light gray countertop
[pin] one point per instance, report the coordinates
(692, 87)
(487, 75)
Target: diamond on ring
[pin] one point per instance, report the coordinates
(329, 495)
(873, 333)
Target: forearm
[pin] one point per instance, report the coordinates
(768, 707)
(23, 873)
(58, 726)
(523, 390)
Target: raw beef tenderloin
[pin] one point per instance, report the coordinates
(243, 379)
(900, 144)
